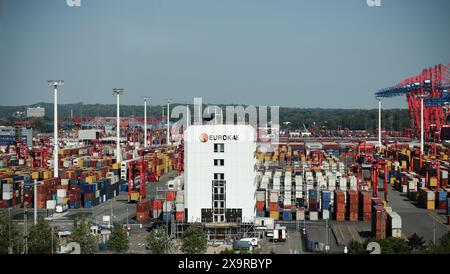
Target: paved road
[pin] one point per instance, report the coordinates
(417, 220)
(293, 244)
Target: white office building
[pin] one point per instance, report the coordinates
(219, 173)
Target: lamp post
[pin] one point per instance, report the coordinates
(168, 121)
(379, 121)
(145, 121)
(422, 96)
(55, 84)
(117, 92)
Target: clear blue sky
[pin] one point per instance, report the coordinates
(298, 53)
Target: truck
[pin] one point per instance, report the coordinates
(279, 234)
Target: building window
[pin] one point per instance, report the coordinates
(219, 147)
(218, 200)
(219, 162)
(219, 176)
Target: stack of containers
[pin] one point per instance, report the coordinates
(260, 203)
(265, 180)
(441, 199)
(394, 225)
(427, 198)
(287, 215)
(168, 208)
(7, 194)
(61, 194)
(41, 195)
(287, 202)
(300, 214)
(299, 190)
(143, 210)
(339, 205)
(179, 206)
(27, 195)
(444, 177)
(365, 206)
(352, 205)
(353, 182)
(74, 196)
(157, 206)
(313, 204)
(343, 184)
(326, 201)
(379, 218)
(277, 180)
(274, 211)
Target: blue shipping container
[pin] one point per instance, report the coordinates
(87, 204)
(312, 193)
(287, 215)
(260, 214)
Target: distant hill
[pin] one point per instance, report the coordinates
(362, 119)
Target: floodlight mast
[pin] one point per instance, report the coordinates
(379, 121)
(117, 92)
(168, 122)
(55, 84)
(145, 121)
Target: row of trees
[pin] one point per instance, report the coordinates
(41, 240)
(414, 244)
(355, 119)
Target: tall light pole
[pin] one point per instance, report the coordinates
(379, 121)
(145, 121)
(168, 121)
(117, 92)
(55, 84)
(422, 96)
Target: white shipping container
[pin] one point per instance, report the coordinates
(300, 214)
(397, 233)
(168, 206)
(313, 215)
(7, 187)
(325, 214)
(51, 204)
(179, 207)
(61, 193)
(64, 182)
(273, 196)
(404, 188)
(180, 197)
(7, 195)
(395, 219)
(60, 200)
(97, 193)
(430, 195)
(260, 196)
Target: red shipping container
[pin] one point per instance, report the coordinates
(366, 216)
(179, 216)
(171, 195)
(157, 204)
(260, 206)
(143, 206)
(3, 204)
(273, 206)
(142, 216)
(340, 216)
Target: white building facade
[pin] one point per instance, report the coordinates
(219, 164)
